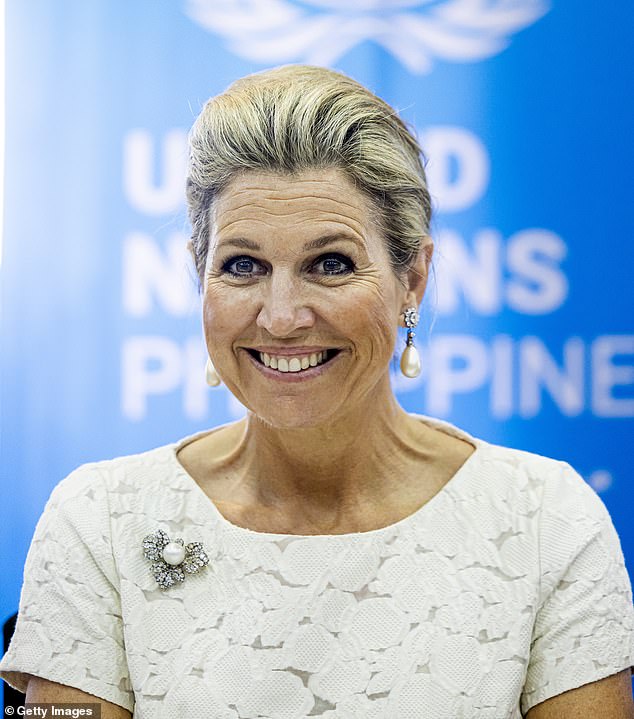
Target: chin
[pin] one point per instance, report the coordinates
(292, 416)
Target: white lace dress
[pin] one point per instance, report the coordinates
(506, 588)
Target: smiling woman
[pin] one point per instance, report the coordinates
(320, 281)
(330, 555)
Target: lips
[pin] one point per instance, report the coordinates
(297, 362)
(293, 364)
(295, 375)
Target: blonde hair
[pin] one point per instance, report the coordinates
(298, 117)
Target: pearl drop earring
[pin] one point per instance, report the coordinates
(211, 376)
(410, 359)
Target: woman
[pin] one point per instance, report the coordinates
(330, 555)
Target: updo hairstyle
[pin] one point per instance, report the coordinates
(297, 118)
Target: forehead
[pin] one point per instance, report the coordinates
(288, 202)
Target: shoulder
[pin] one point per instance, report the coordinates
(568, 512)
(84, 505)
(560, 490)
(117, 475)
(90, 510)
(567, 522)
(543, 498)
(515, 481)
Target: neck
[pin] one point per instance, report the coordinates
(353, 460)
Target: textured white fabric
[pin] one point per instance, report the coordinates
(506, 588)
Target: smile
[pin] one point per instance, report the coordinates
(293, 368)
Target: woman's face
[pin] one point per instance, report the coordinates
(296, 265)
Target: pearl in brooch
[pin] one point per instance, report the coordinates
(174, 553)
(171, 560)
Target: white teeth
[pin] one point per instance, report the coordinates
(293, 364)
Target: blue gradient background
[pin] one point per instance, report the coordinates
(554, 110)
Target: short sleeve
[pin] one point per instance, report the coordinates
(69, 628)
(584, 624)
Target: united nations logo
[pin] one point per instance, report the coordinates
(320, 32)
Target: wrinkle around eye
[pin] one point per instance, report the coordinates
(370, 276)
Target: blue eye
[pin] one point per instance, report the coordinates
(336, 264)
(332, 264)
(243, 266)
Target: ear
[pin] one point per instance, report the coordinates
(418, 273)
(194, 265)
(190, 247)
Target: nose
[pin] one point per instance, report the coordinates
(283, 308)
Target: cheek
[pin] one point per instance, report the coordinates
(215, 316)
(384, 332)
(372, 320)
(223, 307)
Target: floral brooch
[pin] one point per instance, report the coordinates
(172, 560)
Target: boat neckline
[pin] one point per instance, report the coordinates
(465, 470)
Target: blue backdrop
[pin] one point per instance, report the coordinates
(525, 111)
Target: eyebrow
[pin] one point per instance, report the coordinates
(312, 245)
